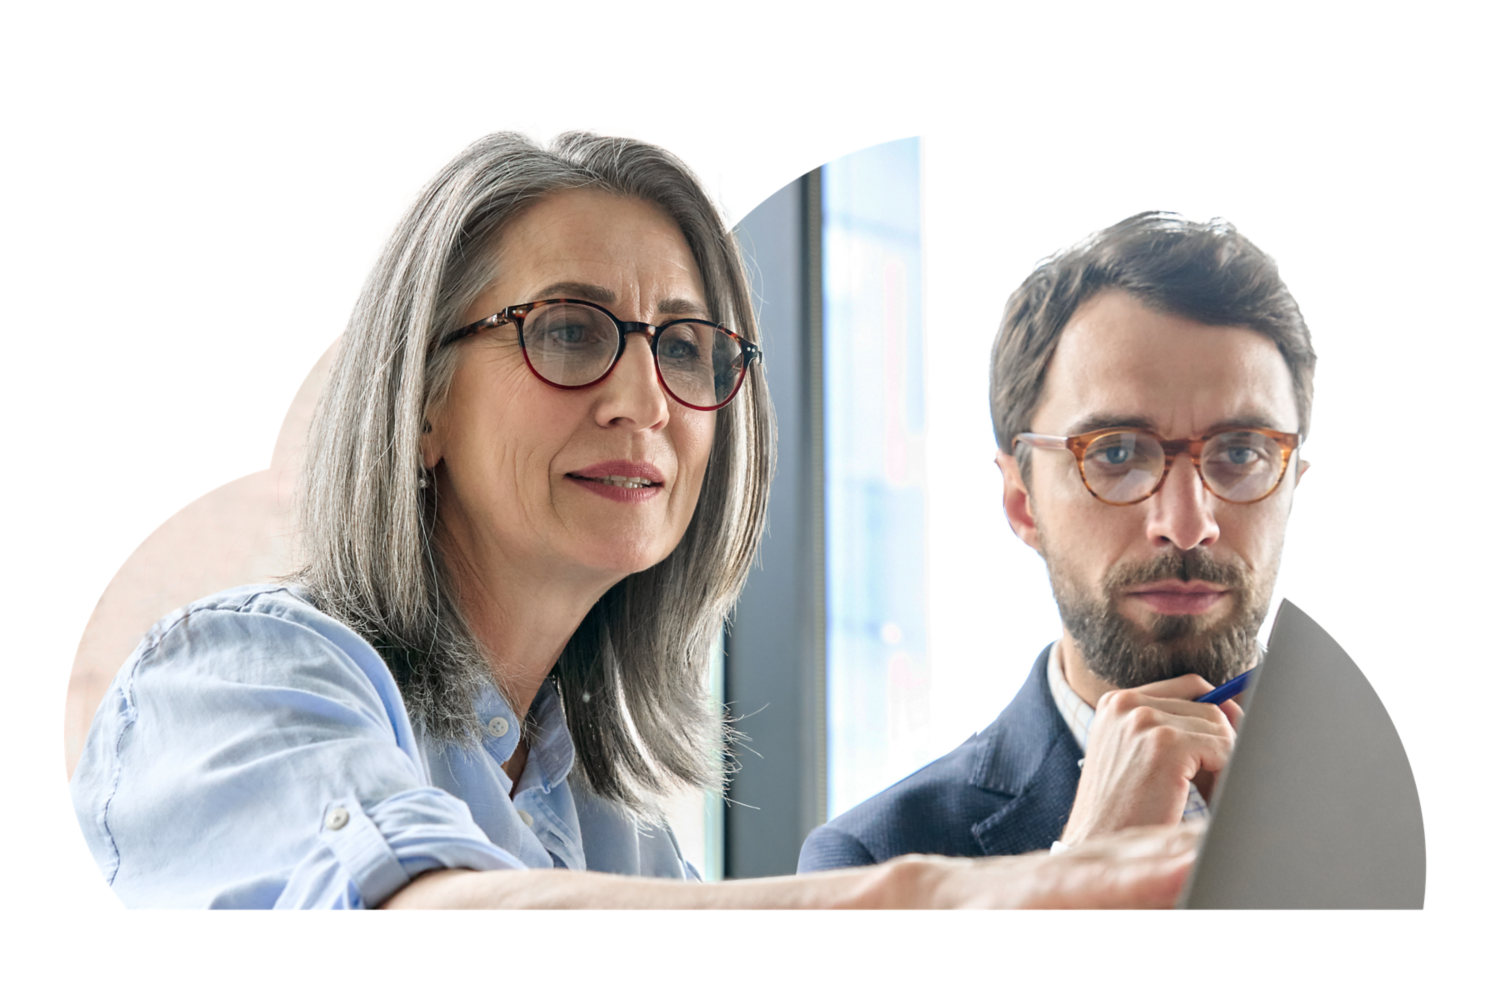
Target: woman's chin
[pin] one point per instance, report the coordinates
(618, 563)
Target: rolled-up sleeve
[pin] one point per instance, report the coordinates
(258, 754)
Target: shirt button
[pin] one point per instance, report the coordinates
(337, 819)
(498, 726)
(525, 816)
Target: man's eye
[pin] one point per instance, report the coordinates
(1115, 449)
(1241, 449)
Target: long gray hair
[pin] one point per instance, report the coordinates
(632, 676)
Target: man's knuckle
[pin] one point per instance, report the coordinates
(1162, 739)
(1142, 719)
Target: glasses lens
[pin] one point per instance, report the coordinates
(1241, 466)
(1122, 466)
(700, 363)
(569, 343)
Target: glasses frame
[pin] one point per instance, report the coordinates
(1078, 444)
(517, 314)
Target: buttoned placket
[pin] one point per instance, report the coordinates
(532, 792)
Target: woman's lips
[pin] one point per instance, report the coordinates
(622, 494)
(622, 481)
(1165, 599)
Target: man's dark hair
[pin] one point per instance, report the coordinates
(1205, 272)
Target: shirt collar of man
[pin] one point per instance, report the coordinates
(1076, 712)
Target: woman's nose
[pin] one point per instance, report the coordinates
(632, 394)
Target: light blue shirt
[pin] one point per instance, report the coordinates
(254, 752)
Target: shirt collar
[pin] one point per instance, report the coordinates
(1074, 710)
(550, 755)
(551, 751)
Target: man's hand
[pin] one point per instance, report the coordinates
(1146, 745)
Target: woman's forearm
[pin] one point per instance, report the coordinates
(1142, 868)
(556, 888)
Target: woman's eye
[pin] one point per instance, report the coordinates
(678, 349)
(1116, 454)
(574, 333)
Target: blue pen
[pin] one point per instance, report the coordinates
(1226, 691)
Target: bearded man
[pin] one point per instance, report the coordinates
(1150, 390)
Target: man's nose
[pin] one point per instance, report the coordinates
(1180, 512)
(632, 394)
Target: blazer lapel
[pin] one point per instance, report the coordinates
(1028, 754)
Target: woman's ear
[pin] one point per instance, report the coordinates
(432, 447)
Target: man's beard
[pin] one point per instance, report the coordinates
(1126, 655)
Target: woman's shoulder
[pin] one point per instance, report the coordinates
(247, 664)
(287, 602)
(253, 611)
(265, 631)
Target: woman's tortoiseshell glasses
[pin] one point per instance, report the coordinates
(573, 344)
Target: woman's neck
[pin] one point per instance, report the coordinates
(521, 620)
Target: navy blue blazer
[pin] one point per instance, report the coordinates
(1006, 790)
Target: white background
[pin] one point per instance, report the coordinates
(193, 195)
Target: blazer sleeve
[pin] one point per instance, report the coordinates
(827, 848)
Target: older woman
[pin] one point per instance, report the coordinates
(533, 491)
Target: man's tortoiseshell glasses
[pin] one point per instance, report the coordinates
(1125, 465)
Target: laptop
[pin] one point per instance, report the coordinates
(1317, 808)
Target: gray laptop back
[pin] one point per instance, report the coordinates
(1317, 808)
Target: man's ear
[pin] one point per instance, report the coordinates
(1018, 509)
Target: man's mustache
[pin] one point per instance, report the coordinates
(1186, 566)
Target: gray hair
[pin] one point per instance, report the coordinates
(632, 677)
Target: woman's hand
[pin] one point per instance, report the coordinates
(1141, 868)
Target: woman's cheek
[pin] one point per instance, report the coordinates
(700, 445)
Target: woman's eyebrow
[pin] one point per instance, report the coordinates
(577, 290)
(606, 297)
(681, 307)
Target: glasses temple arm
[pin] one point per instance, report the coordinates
(1040, 441)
